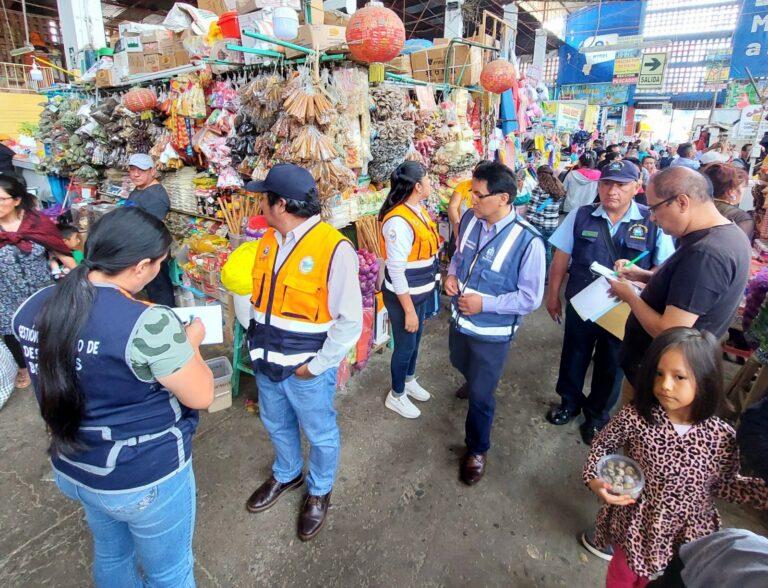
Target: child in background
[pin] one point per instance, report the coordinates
(73, 239)
(544, 208)
(688, 455)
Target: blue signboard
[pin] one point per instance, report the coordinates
(594, 26)
(750, 41)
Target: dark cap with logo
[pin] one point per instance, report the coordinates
(287, 181)
(620, 171)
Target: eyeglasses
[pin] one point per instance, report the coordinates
(653, 208)
(484, 196)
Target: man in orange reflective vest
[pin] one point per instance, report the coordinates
(306, 315)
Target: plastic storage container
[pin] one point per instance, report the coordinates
(622, 473)
(229, 25)
(222, 383)
(286, 23)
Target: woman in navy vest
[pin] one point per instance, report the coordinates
(119, 383)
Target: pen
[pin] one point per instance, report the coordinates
(634, 261)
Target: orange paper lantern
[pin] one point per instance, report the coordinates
(498, 76)
(140, 99)
(375, 34)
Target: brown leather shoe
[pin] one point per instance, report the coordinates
(267, 494)
(313, 515)
(472, 468)
(463, 392)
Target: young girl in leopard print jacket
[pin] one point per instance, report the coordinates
(688, 455)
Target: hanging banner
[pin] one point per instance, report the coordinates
(568, 116)
(742, 93)
(750, 40)
(752, 122)
(600, 94)
(590, 117)
(652, 71)
(626, 67)
(717, 66)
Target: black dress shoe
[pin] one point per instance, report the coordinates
(463, 392)
(267, 494)
(561, 415)
(472, 468)
(588, 431)
(313, 515)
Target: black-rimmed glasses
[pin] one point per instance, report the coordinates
(653, 208)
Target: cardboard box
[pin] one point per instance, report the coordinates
(132, 43)
(336, 18)
(156, 36)
(151, 48)
(181, 58)
(319, 38)
(167, 61)
(151, 63)
(400, 65)
(105, 79)
(316, 12)
(136, 63)
(218, 7)
(429, 65)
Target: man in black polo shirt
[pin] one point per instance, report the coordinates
(701, 285)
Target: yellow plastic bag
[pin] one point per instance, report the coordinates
(236, 274)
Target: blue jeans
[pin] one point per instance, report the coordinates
(152, 528)
(406, 345)
(285, 406)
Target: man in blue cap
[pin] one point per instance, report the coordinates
(616, 228)
(306, 315)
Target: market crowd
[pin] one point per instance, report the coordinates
(120, 380)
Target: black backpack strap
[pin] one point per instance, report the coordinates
(606, 235)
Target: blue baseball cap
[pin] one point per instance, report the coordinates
(287, 181)
(621, 171)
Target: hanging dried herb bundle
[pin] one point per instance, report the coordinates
(332, 178)
(311, 144)
(306, 100)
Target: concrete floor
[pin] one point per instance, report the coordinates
(399, 516)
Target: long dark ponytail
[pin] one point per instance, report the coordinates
(401, 184)
(119, 240)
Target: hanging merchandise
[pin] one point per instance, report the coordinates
(375, 35)
(140, 99)
(498, 76)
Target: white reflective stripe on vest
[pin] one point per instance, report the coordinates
(414, 290)
(467, 232)
(421, 263)
(489, 331)
(506, 247)
(280, 358)
(290, 325)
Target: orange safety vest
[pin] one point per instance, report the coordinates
(290, 303)
(421, 268)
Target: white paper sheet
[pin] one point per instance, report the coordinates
(212, 321)
(594, 300)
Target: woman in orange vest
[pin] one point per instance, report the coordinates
(409, 242)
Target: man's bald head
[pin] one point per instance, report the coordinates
(673, 181)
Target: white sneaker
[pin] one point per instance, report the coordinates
(402, 405)
(415, 391)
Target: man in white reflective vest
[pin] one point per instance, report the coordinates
(495, 278)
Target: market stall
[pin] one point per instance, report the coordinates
(339, 98)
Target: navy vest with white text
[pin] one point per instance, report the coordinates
(631, 239)
(491, 271)
(134, 433)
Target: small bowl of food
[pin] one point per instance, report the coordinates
(622, 473)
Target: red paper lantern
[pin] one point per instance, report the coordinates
(498, 76)
(375, 34)
(140, 99)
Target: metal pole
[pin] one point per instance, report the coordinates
(275, 41)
